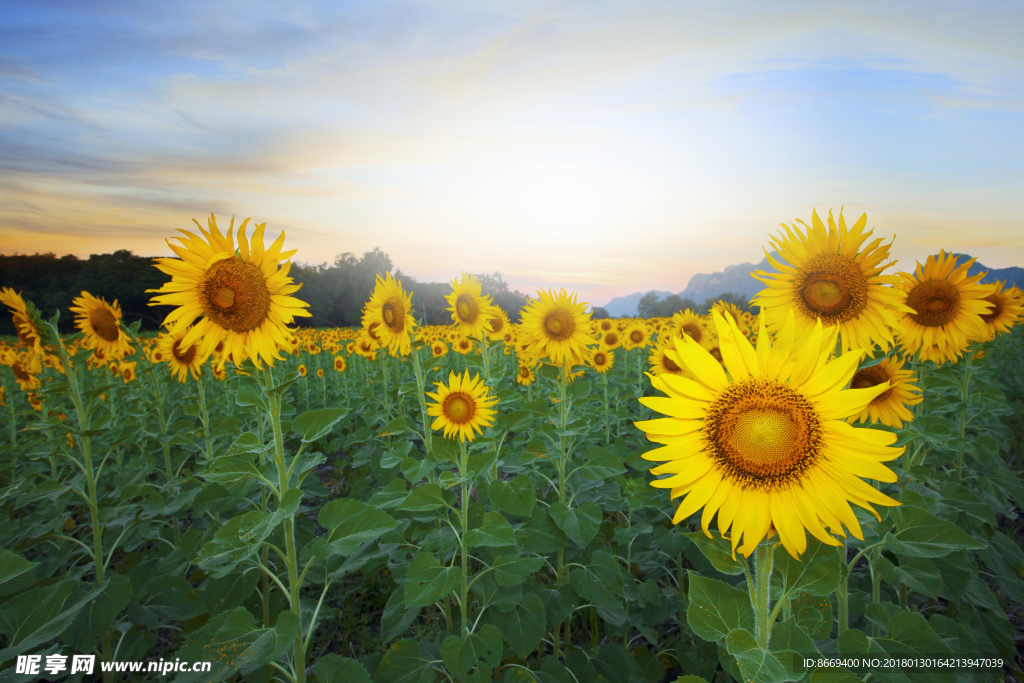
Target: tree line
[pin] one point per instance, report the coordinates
(335, 293)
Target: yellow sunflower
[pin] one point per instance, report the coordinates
(463, 345)
(461, 407)
(438, 349)
(945, 308)
(390, 307)
(219, 373)
(470, 310)
(525, 375)
(127, 370)
(763, 441)
(604, 325)
(664, 360)
(320, 372)
(610, 340)
(241, 295)
(732, 310)
(889, 407)
(833, 277)
(27, 321)
(26, 368)
(602, 360)
(499, 323)
(100, 324)
(1006, 310)
(635, 336)
(557, 327)
(689, 323)
(339, 363)
(182, 358)
(302, 369)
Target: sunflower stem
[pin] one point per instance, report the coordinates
(761, 598)
(421, 387)
(964, 389)
(843, 595)
(205, 413)
(463, 471)
(607, 423)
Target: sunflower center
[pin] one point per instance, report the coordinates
(458, 408)
(762, 434)
(832, 287)
(524, 372)
(24, 338)
(233, 294)
(605, 326)
(716, 352)
(990, 317)
(937, 303)
(671, 365)
(692, 330)
(559, 325)
(466, 308)
(497, 324)
(872, 377)
(104, 324)
(20, 372)
(394, 316)
(600, 358)
(183, 356)
(611, 339)
(636, 336)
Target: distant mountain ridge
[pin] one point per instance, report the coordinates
(737, 280)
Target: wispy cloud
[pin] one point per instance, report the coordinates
(618, 147)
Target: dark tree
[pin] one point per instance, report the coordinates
(598, 313)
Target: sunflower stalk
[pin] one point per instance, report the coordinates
(205, 416)
(965, 385)
(421, 383)
(464, 519)
(761, 599)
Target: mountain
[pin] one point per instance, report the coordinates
(737, 280)
(626, 305)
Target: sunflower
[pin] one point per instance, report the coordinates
(462, 407)
(602, 360)
(727, 308)
(390, 308)
(525, 375)
(664, 360)
(182, 358)
(635, 336)
(100, 324)
(834, 278)
(763, 442)
(463, 345)
(1006, 310)
(499, 322)
(35, 402)
(604, 325)
(339, 363)
(26, 368)
(557, 327)
(889, 407)
(320, 372)
(946, 308)
(219, 373)
(438, 349)
(28, 323)
(689, 323)
(240, 295)
(302, 369)
(127, 370)
(610, 340)
(470, 311)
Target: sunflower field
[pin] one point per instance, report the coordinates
(826, 491)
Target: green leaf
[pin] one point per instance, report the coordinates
(813, 614)
(718, 552)
(239, 645)
(540, 535)
(404, 662)
(600, 581)
(423, 497)
(580, 524)
(909, 635)
(922, 534)
(717, 608)
(445, 450)
(495, 532)
(41, 614)
(515, 497)
(601, 464)
(397, 618)
(285, 382)
(395, 427)
(817, 572)
(225, 470)
(338, 669)
(250, 394)
(756, 665)
(96, 618)
(787, 635)
(473, 655)
(353, 523)
(510, 568)
(315, 424)
(918, 573)
(12, 565)
(524, 625)
(427, 581)
(247, 442)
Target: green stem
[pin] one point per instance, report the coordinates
(761, 598)
(206, 419)
(464, 515)
(964, 389)
(607, 423)
(843, 595)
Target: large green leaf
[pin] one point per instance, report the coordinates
(718, 552)
(12, 565)
(757, 665)
(918, 573)
(494, 531)
(316, 424)
(515, 497)
(524, 625)
(427, 581)
(225, 470)
(600, 581)
(716, 608)
(509, 567)
(397, 618)
(580, 524)
(909, 635)
(601, 464)
(96, 618)
(41, 614)
(541, 535)
(474, 655)
(922, 534)
(238, 643)
(353, 523)
(817, 572)
(337, 669)
(405, 662)
(422, 498)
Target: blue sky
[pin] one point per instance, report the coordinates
(602, 147)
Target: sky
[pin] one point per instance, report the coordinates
(603, 147)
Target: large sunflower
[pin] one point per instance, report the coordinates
(946, 308)
(635, 336)
(390, 307)
(557, 327)
(889, 407)
(241, 295)
(27, 321)
(470, 311)
(831, 276)
(499, 323)
(462, 407)
(100, 324)
(182, 359)
(762, 441)
(1006, 310)
(689, 323)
